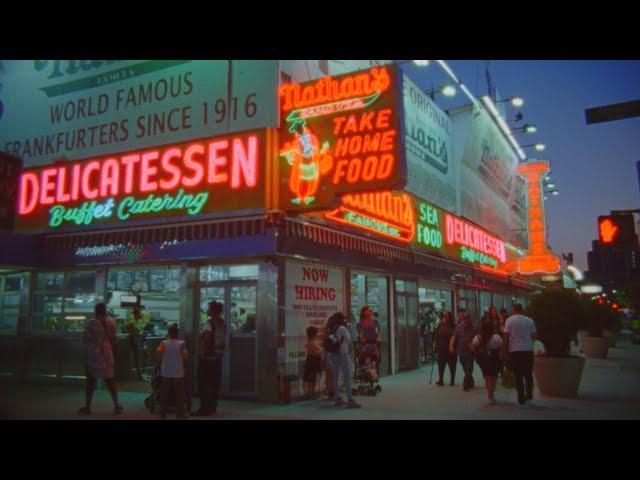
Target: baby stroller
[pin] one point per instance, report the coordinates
(152, 402)
(365, 381)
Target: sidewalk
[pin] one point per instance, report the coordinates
(610, 389)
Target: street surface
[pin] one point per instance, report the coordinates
(610, 389)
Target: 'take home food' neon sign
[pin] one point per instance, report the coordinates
(175, 179)
(341, 134)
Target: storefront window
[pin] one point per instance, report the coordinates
(371, 290)
(63, 301)
(154, 290)
(10, 291)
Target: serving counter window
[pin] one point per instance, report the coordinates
(11, 286)
(63, 301)
(155, 290)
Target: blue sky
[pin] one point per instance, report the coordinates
(593, 166)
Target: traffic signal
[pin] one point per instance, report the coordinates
(617, 230)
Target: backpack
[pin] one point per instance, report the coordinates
(331, 343)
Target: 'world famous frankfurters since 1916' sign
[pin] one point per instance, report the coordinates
(339, 134)
(182, 179)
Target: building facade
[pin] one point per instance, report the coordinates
(289, 196)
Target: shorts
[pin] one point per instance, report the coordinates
(312, 368)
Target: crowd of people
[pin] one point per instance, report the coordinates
(500, 341)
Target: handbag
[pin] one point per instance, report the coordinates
(508, 378)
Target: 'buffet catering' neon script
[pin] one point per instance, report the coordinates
(176, 177)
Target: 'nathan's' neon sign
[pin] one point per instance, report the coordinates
(385, 213)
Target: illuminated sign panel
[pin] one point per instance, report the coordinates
(182, 179)
(339, 134)
(617, 230)
(408, 219)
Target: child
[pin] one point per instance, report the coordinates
(313, 362)
(369, 369)
(173, 353)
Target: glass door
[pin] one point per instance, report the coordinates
(239, 314)
(403, 357)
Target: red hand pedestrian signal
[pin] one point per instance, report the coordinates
(608, 230)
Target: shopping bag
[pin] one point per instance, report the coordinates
(508, 379)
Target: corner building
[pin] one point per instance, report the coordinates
(283, 211)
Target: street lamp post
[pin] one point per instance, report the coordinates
(446, 90)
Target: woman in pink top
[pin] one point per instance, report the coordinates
(100, 342)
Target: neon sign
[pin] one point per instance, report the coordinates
(385, 213)
(406, 218)
(463, 233)
(538, 259)
(178, 179)
(341, 134)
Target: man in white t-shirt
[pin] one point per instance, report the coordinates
(519, 335)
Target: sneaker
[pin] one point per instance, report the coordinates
(84, 411)
(353, 404)
(339, 403)
(118, 409)
(440, 383)
(492, 401)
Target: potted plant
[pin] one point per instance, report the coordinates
(612, 327)
(557, 314)
(596, 317)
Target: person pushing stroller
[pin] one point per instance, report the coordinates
(369, 337)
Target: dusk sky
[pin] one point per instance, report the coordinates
(593, 166)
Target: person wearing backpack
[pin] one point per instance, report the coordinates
(337, 342)
(486, 346)
(100, 342)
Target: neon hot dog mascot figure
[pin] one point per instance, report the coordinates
(308, 162)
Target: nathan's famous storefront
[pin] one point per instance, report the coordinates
(283, 226)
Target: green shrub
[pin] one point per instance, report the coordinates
(558, 314)
(598, 318)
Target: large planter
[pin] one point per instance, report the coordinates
(611, 337)
(558, 376)
(595, 347)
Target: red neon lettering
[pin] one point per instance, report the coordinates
(353, 172)
(75, 182)
(61, 196)
(169, 167)
(387, 140)
(148, 170)
(337, 124)
(386, 165)
(47, 185)
(128, 161)
(110, 177)
(369, 168)
(28, 197)
(383, 120)
(193, 165)
(87, 191)
(245, 161)
(351, 126)
(216, 161)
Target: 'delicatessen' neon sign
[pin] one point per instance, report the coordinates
(405, 218)
(340, 134)
(184, 179)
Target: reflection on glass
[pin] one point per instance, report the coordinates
(214, 273)
(50, 281)
(243, 309)
(12, 283)
(207, 295)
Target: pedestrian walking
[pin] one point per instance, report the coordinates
(519, 335)
(444, 334)
(100, 342)
(337, 345)
(486, 347)
(461, 345)
(369, 336)
(313, 362)
(503, 319)
(210, 362)
(173, 353)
